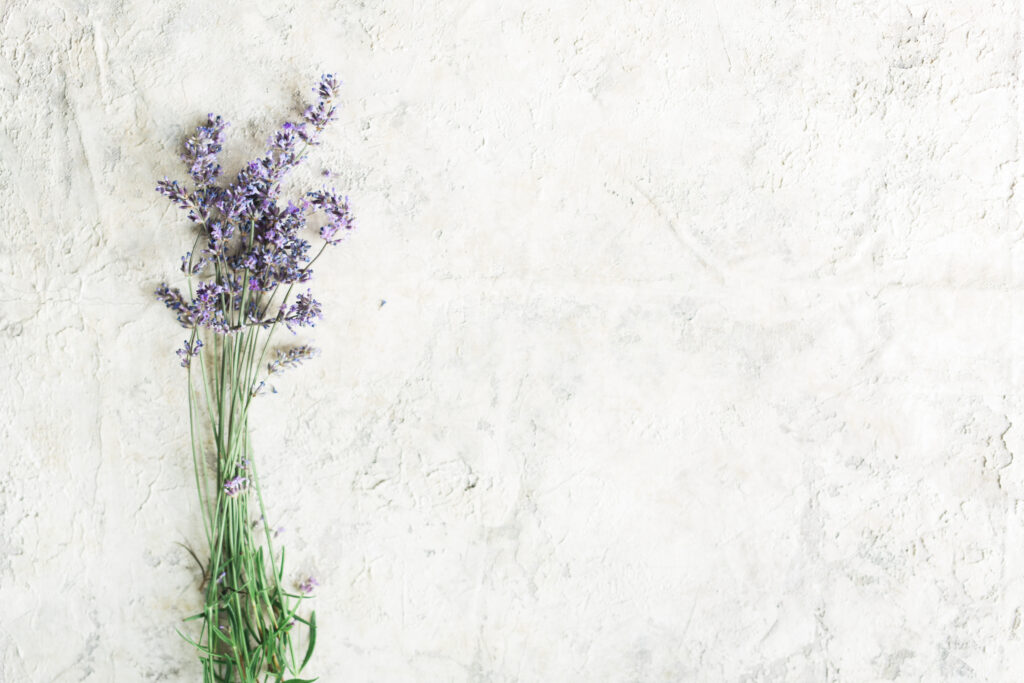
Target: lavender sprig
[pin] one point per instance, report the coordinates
(200, 155)
(339, 216)
(189, 351)
(291, 357)
(303, 313)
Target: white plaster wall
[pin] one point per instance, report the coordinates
(700, 360)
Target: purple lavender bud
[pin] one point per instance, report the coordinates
(304, 312)
(173, 299)
(311, 136)
(220, 233)
(291, 357)
(200, 155)
(285, 139)
(339, 215)
(233, 487)
(196, 267)
(278, 531)
(207, 292)
(319, 115)
(208, 307)
(328, 87)
(329, 234)
(221, 577)
(175, 192)
(322, 112)
(188, 352)
(309, 585)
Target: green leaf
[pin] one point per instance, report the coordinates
(220, 634)
(301, 680)
(199, 647)
(254, 668)
(312, 640)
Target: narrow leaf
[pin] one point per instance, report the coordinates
(220, 634)
(312, 640)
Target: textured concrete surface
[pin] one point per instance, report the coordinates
(699, 357)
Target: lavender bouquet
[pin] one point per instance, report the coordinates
(248, 256)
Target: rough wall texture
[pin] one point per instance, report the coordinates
(699, 357)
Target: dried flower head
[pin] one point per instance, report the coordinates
(291, 357)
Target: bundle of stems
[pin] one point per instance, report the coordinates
(249, 616)
(238, 293)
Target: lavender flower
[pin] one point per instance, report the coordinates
(220, 233)
(188, 352)
(235, 486)
(255, 243)
(339, 216)
(304, 312)
(173, 299)
(309, 585)
(191, 266)
(175, 192)
(201, 151)
(207, 308)
(321, 113)
(290, 358)
(328, 88)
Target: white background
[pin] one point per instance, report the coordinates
(700, 358)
